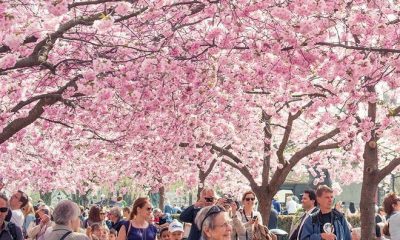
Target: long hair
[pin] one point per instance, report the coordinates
(140, 202)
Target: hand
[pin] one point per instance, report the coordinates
(328, 236)
(44, 219)
(221, 202)
(89, 232)
(234, 208)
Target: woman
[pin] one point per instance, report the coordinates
(138, 228)
(214, 223)
(164, 234)
(238, 227)
(248, 215)
(96, 215)
(29, 215)
(391, 204)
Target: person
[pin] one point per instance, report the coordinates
(29, 217)
(276, 204)
(17, 201)
(162, 219)
(97, 232)
(8, 230)
(164, 234)
(273, 219)
(326, 223)
(309, 204)
(175, 229)
(67, 222)
(126, 212)
(380, 216)
(238, 227)
(207, 198)
(213, 222)
(96, 215)
(391, 204)
(291, 205)
(44, 223)
(138, 228)
(120, 202)
(249, 216)
(339, 207)
(113, 234)
(168, 208)
(115, 216)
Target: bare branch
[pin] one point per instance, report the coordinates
(388, 169)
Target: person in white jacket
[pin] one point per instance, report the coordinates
(37, 231)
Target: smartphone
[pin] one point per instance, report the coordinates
(229, 200)
(255, 218)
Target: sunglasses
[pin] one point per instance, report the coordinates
(209, 199)
(250, 199)
(150, 209)
(213, 210)
(4, 209)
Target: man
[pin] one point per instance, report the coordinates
(276, 204)
(291, 205)
(175, 230)
(115, 216)
(309, 204)
(8, 230)
(326, 223)
(207, 198)
(17, 201)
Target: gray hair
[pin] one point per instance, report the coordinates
(116, 211)
(203, 221)
(66, 211)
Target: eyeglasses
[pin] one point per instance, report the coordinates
(213, 210)
(4, 209)
(224, 225)
(209, 199)
(250, 199)
(150, 209)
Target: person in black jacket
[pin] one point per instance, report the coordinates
(207, 198)
(8, 230)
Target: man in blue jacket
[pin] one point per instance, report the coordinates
(326, 224)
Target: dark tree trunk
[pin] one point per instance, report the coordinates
(264, 203)
(161, 203)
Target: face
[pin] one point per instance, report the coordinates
(146, 211)
(3, 210)
(249, 200)
(177, 235)
(102, 215)
(165, 235)
(306, 202)
(221, 228)
(15, 200)
(209, 198)
(396, 207)
(326, 200)
(112, 237)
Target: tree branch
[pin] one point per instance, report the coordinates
(243, 170)
(388, 169)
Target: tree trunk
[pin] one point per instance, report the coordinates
(161, 203)
(264, 204)
(202, 181)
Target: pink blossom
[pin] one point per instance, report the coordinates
(103, 25)
(8, 61)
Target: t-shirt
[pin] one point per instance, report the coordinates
(17, 218)
(325, 218)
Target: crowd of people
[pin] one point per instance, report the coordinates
(210, 218)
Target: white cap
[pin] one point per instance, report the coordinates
(175, 226)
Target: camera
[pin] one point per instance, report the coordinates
(255, 218)
(229, 201)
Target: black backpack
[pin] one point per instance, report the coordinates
(13, 230)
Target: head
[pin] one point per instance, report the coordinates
(115, 214)
(28, 209)
(3, 208)
(175, 230)
(381, 211)
(18, 200)
(213, 222)
(99, 231)
(164, 234)
(249, 199)
(112, 235)
(142, 208)
(391, 203)
(126, 212)
(119, 198)
(324, 197)
(339, 206)
(94, 214)
(309, 199)
(67, 213)
(158, 213)
(207, 195)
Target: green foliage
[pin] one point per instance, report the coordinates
(354, 220)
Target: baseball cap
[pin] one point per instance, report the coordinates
(175, 226)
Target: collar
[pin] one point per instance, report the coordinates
(62, 227)
(311, 210)
(5, 227)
